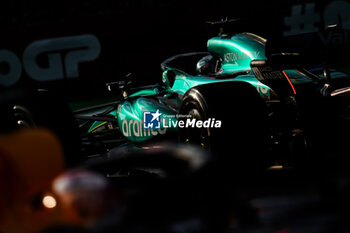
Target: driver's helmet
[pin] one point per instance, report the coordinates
(206, 65)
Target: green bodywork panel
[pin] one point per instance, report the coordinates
(235, 52)
(146, 92)
(98, 126)
(184, 82)
(130, 119)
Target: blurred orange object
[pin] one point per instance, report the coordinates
(29, 161)
(85, 196)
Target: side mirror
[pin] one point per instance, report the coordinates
(123, 86)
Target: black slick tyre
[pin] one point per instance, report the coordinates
(242, 140)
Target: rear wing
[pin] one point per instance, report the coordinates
(330, 47)
(273, 77)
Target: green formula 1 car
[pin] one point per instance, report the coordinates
(179, 76)
(178, 108)
(252, 101)
(243, 99)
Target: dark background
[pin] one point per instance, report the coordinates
(135, 36)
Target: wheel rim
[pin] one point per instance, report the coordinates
(198, 136)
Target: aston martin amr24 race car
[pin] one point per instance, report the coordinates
(245, 99)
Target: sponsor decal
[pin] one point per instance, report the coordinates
(234, 57)
(262, 89)
(136, 128)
